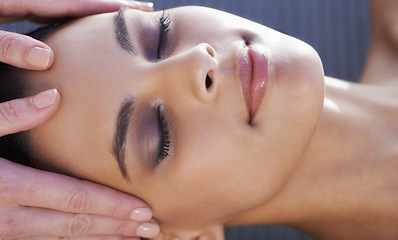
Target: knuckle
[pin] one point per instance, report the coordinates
(10, 192)
(9, 227)
(8, 44)
(115, 209)
(121, 228)
(79, 201)
(80, 225)
(10, 112)
(64, 238)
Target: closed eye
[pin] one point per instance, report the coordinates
(164, 135)
(164, 24)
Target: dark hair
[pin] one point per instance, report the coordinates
(13, 85)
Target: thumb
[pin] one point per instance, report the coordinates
(24, 52)
(26, 113)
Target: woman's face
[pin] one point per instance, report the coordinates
(170, 110)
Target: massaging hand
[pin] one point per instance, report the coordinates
(41, 205)
(24, 52)
(37, 204)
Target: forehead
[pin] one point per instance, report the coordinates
(87, 68)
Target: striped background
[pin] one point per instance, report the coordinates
(337, 29)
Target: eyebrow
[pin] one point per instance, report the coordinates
(119, 139)
(122, 36)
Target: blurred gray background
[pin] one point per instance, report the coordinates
(337, 29)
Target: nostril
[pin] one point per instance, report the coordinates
(247, 40)
(210, 50)
(209, 81)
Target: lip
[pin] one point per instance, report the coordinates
(253, 76)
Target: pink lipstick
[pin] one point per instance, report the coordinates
(253, 76)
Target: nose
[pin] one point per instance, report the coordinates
(194, 70)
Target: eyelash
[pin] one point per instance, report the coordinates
(164, 144)
(164, 24)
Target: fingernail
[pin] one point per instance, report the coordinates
(141, 214)
(39, 57)
(45, 99)
(145, 6)
(148, 230)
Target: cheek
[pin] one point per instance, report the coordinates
(297, 68)
(223, 168)
(211, 177)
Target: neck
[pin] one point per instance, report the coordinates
(347, 169)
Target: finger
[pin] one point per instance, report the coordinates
(35, 188)
(144, 6)
(54, 223)
(103, 237)
(60, 8)
(26, 113)
(24, 52)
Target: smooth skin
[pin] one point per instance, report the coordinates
(334, 177)
(16, 48)
(217, 161)
(41, 205)
(346, 186)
